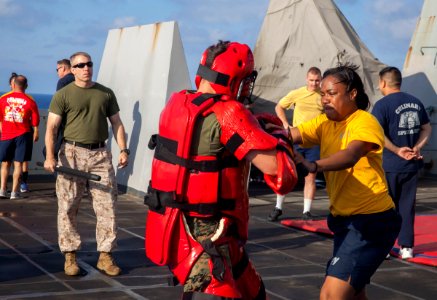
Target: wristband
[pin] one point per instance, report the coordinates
(290, 137)
(316, 167)
(127, 151)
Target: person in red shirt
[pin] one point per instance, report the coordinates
(24, 188)
(18, 114)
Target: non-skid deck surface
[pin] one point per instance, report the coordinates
(425, 227)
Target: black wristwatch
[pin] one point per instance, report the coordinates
(127, 151)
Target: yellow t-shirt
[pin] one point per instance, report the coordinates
(361, 189)
(307, 105)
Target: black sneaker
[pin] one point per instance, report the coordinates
(307, 216)
(274, 215)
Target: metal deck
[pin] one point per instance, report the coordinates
(291, 262)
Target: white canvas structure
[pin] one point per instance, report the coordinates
(420, 74)
(143, 65)
(298, 34)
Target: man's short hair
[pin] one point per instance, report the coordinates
(215, 50)
(392, 76)
(64, 62)
(73, 56)
(21, 81)
(314, 70)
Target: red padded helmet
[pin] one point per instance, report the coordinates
(232, 71)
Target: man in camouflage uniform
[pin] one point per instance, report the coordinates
(197, 222)
(85, 105)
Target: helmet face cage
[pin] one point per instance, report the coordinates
(236, 64)
(245, 89)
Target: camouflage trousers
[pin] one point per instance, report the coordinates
(103, 195)
(200, 275)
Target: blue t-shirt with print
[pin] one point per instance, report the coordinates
(401, 115)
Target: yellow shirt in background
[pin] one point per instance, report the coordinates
(361, 189)
(307, 105)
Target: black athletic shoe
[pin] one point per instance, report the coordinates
(274, 215)
(307, 216)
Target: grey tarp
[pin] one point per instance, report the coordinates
(298, 34)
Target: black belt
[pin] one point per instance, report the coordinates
(87, 146)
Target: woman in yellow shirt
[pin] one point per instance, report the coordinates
(362, 217)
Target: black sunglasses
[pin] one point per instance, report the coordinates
(82, 65)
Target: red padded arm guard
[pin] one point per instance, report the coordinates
(273, 125)
(267, 118)
(241, 132)
(286, 177)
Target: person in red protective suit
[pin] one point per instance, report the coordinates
(197, 222)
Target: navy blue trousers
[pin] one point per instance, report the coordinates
(402, 188)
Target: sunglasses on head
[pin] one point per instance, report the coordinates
(82, 65)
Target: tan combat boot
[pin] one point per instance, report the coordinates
(107, 264)
(70, 267)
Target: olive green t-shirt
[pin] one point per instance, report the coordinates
(85, 112)
(206, 138)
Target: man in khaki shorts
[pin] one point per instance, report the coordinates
(86, 130)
